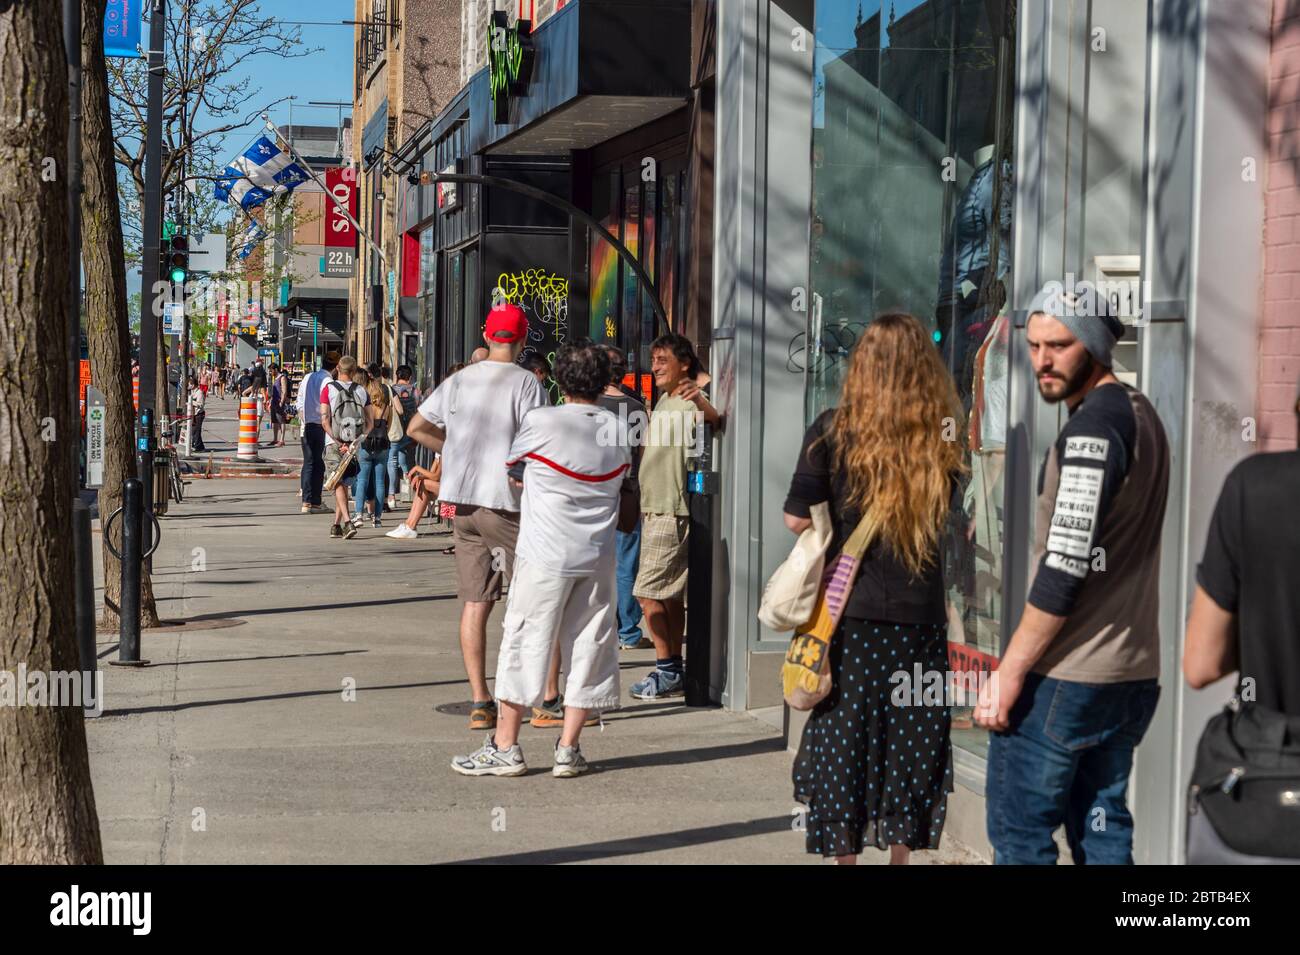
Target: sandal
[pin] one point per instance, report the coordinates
(449, 551)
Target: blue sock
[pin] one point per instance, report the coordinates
(672, 665)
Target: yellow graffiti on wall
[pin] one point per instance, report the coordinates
(535, 284)
(611, 330)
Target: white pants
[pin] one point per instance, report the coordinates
(582, 613)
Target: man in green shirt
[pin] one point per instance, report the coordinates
(669, 442)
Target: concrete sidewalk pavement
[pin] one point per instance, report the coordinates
(242, 743)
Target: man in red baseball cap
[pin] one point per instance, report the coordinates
(472, 418)
(506, 323)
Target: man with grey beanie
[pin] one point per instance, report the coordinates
(1076, 688)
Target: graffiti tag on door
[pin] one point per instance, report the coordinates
(544, 297)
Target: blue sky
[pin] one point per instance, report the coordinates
(324, 75)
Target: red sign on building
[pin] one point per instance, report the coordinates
(339, 231)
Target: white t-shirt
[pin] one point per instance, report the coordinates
(333, 396)
(481, 408)
(571, 487)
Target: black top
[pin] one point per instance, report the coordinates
(1251, 568)
(884, 589)
(1098, 437)
(629, 409)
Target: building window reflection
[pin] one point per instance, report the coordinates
(912, 200)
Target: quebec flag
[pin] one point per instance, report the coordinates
(261, 172)
(248, 241)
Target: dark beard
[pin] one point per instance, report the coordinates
(1074, 384)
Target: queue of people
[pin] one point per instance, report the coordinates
(575, 513)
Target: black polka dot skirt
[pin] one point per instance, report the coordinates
(875, 761)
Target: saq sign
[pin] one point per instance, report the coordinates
(339, 231)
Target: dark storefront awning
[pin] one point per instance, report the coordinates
(600, 69)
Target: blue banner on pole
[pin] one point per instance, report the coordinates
(122, 28)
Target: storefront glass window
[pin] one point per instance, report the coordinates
(605, 261)
(912, 198)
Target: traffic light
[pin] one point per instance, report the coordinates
(178, 258)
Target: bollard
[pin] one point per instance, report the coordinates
(128, 648)
(85, 571)
(248, 428)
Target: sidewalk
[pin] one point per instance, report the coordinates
(237, 744)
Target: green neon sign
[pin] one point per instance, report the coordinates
(510, 62)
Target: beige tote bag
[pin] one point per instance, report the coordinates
(791, 593)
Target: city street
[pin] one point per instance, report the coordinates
(236, 744)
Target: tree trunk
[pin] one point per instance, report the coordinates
(108, 332)
(47, 805)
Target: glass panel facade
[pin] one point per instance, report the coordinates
(646, 216)
(912, 198)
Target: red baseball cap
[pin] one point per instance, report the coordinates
(506, 323)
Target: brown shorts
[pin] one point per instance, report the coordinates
(485, 551)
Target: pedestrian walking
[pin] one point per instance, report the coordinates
(473, 417)
(313, 432)
(372, 459)
(661, 577)
(197, 400)
(1245, 619)
(1077, 685)
(279, 405)
(563, 591)
(631, 412)
(406, 400)
(873, 771)
(346, 417)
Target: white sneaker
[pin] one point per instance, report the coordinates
(487, 760)
(359, 520)
(392, 503)
(402, 533)
(568, 762)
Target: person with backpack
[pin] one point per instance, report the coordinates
(372, 460)
(406, 399)
(1245, 619)
(346, 417)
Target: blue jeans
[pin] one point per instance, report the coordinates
(629, 608)
(1066, 761)
(399, 462)
(374, 469)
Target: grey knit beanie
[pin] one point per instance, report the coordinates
(1085, 312)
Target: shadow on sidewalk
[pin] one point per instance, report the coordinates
(637, 845)
(199, 704)
(282, 656)
(339, 606)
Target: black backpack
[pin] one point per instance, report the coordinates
(1243, 807)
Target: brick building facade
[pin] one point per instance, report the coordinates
(1279, 328)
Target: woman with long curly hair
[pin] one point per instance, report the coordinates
(875, 763)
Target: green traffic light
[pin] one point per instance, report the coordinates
(938, 336)
(178, 275)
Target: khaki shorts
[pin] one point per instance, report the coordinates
(485, 551)
(664, 548)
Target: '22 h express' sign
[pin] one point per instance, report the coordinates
(340, 234)
(510, 62)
